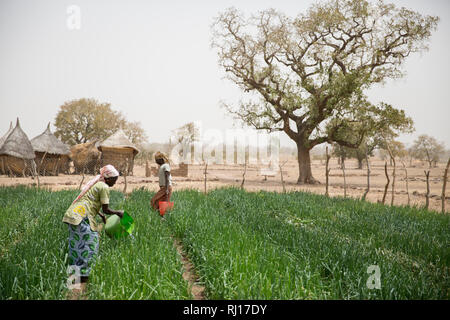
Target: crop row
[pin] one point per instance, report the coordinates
(243, 245)
(270, 246)
(33, 259)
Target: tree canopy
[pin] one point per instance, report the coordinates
(83, 120)
(306, 75)
(427, 148)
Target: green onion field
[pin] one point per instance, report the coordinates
(243, 245)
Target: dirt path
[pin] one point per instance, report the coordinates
(189, 274)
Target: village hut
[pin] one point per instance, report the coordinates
(17, 154)
(86, 158)
(52, 155)
(2, 140)
(118, 151)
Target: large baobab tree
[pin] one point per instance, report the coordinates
(306, 75)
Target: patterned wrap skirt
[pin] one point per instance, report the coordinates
(83, 248)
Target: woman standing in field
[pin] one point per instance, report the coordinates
(165, 180)
(83, 227)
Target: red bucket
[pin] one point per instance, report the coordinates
(164, 206)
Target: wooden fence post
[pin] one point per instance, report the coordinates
(444, 186)
(243, 175)
(148, 172)
(407, 185)
(327, 172)
(82, 171)
(427, 201)
(281, 175)
(387, 184)
(205, 172)
(368, 176)
(127, 168)
(392, 160)
(345, 180)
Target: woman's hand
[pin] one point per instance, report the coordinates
(119, 213)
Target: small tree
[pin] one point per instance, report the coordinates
(387, 123)
(394, 148)
(427, 148)
(341, 152)
(362, 152)
(365, 150)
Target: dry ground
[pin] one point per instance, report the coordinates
(226, 175)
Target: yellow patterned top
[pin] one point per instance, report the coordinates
(89, 205)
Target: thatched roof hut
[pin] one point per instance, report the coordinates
(85, 157)
(52, 155)
(2, 139)
(17, 154)
(119, 151)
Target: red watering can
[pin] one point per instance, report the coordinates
(164, 206)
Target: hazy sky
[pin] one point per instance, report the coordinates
(153, 62)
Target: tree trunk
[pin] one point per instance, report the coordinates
(360, 163)
(304, 166)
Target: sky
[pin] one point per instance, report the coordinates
(152, 60)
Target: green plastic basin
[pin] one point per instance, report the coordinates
(119, 228)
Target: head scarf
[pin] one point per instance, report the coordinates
(160, 155)
(107, 171)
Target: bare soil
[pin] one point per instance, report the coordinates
(189, 273)
(231, 175)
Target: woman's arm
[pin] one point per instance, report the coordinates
(107, 210)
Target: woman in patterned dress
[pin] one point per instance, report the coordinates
(83, 227)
